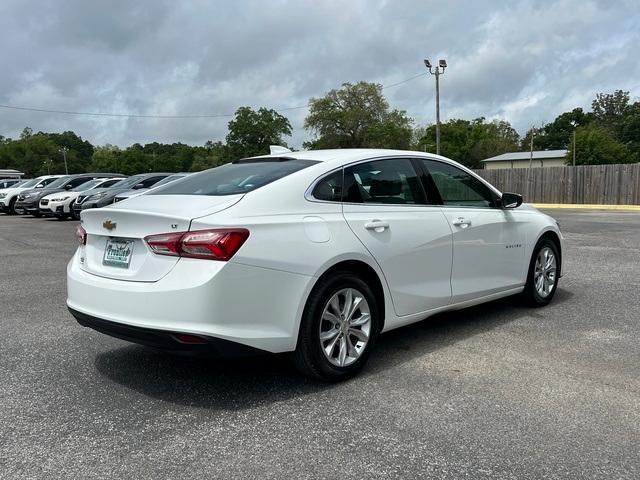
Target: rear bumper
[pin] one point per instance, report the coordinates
(252, 306)
(162, 339)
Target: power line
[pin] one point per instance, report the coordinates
(135, 115)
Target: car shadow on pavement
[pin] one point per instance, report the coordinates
(237, 384)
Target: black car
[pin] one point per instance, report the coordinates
(29, 200)
(103, 197)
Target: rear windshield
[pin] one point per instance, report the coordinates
(233, 178)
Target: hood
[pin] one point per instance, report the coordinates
(58, 193)
(42, 191)
(13, 190)
(130, 193)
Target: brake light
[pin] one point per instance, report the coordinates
(81, 235)
(215, 244)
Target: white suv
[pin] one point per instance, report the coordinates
(9, 196)
(60, 204)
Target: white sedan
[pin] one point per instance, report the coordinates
(312, 252)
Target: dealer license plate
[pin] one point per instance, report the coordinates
(118, 252)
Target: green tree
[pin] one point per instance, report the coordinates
(357, 115)
(251, 132)
(596, 145)
(610, 108)
(106, 158)
(469, 142)
(557, 134)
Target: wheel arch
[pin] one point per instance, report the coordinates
(555, 238)
(367, 273)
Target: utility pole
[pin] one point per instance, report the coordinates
(442, 64)
(533, 134)
(64, 151)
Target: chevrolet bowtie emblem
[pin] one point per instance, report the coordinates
(109, 225)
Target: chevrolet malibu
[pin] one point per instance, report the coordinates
(314, 253)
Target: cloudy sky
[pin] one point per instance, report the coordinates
(524, 61)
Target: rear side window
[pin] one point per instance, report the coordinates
(457, 187)
(392, 181)
(234, 178)
(329, 188)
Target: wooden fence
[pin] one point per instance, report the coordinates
(591, 184)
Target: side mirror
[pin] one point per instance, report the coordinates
(511, 200)
(138, 186)
(39, 186)
(68, 186)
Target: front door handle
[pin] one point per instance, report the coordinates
(376, 225)
(461, 222)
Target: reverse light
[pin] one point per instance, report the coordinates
(215, 244)
(81, 235)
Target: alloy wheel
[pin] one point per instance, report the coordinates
(544, 276)
(345, 327)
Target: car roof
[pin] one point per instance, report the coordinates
(341, 156)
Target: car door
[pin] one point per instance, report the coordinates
(488, 242)
(386, 207)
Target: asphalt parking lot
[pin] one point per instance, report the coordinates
(497, 391)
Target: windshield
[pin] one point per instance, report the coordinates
(233, 178)
(58, 182)
(169, 179)
(30, 183)
(111, 183)
(86, 185)
(130, 182)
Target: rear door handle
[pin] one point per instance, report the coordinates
(376, 225)
(461, 222)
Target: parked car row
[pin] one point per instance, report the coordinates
(65, 196)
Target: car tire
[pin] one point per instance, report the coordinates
(334, 345)
(12, 204)
(542, 276)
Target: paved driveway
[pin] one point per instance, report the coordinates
(497, 391)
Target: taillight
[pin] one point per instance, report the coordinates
(215, 244)
(81, 235)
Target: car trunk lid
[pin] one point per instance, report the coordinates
(115, 245)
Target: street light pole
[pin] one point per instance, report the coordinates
(64, 151)
(442, 64)
(574, 124)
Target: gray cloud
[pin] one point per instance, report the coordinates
(525, 61)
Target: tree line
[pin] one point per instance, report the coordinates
(353, 116)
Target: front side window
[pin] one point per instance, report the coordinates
(392, 181)
(457, 187)
(234, 178)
